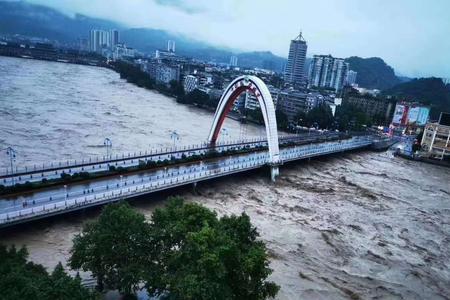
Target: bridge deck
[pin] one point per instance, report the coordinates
(79, 196)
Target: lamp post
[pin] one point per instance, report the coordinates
(65, 194)
(174, 136)
(12, 157)
(225, 132)
(108, 144)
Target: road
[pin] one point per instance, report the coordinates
(131, 185)
(54, 170)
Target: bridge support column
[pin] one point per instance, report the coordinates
(274, 172)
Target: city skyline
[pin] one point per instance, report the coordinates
(342, 29)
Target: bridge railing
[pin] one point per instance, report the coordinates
(117, 194)
(172, 178)
(75, 163)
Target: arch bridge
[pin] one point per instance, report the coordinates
(256, 86)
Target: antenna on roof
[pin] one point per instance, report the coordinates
(300, 37)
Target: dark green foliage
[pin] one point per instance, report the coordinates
(282, 120)
(373, 72)
(349, 117)
(197, 97)
(202, 257)
(255, 115)
(430, 91)
(186, 252)
(133, 74)
(20, 279)
(320, 117)
(111, 248)
(176, 89)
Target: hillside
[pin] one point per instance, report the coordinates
(373, 72)
(431, 91)
(40, 21)
(43, 22)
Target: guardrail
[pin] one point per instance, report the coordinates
(172, 178)
(85, 162)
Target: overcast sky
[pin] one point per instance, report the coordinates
(411, 35)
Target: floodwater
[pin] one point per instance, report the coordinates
(53, 111)
(362, 225)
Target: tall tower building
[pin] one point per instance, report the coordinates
(294, 72)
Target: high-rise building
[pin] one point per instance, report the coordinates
(94, 40)
(171, 46)
(114, 37)
(351, 77)
(328, 72)
(233, 61)
(294, 72)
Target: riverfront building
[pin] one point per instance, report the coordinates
(295, 68)
(436, 140)
(379, 109)
(190, 83)
(292, 102)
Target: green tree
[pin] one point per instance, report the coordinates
(20, 279)
(282, 119)
(113, 248)
(199, 256)
(320, 116)
(176, 89)
(196, 97)
(350, 117)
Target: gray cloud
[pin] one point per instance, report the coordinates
(411, 35)
(180, 4)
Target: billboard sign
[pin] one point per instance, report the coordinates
(398, 114)
(422, 118)
(413, 114)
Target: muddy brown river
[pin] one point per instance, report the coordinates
(362, 225)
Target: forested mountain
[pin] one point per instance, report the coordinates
(431, 91)
(373, 72)
(40, 21)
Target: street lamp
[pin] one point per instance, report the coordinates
(65, 194)
(225, 132)
(12, 157)
(108, 144)
(174, 136)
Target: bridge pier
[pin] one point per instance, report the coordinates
(274, 172)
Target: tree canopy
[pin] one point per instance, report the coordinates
(113, 248)
(20, 279)
(320, 117)
(184, 252)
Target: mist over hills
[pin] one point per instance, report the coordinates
(23, 18)
(40, 21)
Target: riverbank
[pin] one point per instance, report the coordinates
(436, 162)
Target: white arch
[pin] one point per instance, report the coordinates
(261, 92)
